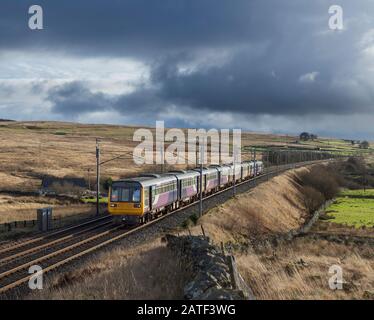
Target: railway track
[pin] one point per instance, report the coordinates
(50, 235)
(15, 261)
(45, 243)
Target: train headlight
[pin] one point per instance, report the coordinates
(113, 205)
(137, 205)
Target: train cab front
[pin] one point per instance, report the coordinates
(125, 202)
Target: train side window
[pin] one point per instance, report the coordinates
(136, 195)
(146, 196)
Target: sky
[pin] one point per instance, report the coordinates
(259, 65)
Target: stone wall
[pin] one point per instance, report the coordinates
(214, 275)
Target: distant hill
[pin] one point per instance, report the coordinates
(6, 120)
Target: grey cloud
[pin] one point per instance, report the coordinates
(74, 98)
(6, 90)
(270, 46)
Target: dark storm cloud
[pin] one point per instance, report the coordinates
(130, 27)
(281, 57)
(253, 85)
(74, 98)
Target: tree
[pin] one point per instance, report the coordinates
(313, 136)
(304, 136)
(364, 145)
(106, 183)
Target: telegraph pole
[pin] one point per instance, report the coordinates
(97, 177)
(254, 158)
(201, 176)
(234, 172)
(89, 179)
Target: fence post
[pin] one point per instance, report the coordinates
(202, 229)
(222, 248)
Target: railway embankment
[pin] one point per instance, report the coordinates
(279, 206)
(271, 232)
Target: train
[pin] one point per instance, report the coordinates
(145, 197)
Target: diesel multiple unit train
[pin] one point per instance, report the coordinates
(140, 199)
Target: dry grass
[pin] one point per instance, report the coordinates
(275, 206)
(331, 227)
(299, 270)
(24, 208)
(150, 271)
(32, 149)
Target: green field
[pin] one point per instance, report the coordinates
(354, 208)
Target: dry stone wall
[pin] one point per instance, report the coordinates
(214, 275)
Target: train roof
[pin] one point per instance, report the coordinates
(148, 180)
(183, 174)
(205, 170)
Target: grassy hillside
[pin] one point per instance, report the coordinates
(31, 150)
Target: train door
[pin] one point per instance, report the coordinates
(179, 188)
(152, 196)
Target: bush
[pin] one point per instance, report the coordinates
(355, 165)
(313, 199)
(364, 145)
(67, 188)
(323, 179)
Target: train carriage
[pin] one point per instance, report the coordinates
(259, 167)
(236, 172)
(188, 184)
(137, 199)
(210, 179)
(252, 169)
(246, 170)
(224, 174)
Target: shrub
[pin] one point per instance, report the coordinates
(313, 199)
(67, 188)
(323, 179)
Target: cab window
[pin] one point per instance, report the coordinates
(125, 194)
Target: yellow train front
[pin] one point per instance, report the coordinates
(126, 201)
(138, 200)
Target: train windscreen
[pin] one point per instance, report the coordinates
(125, 193)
